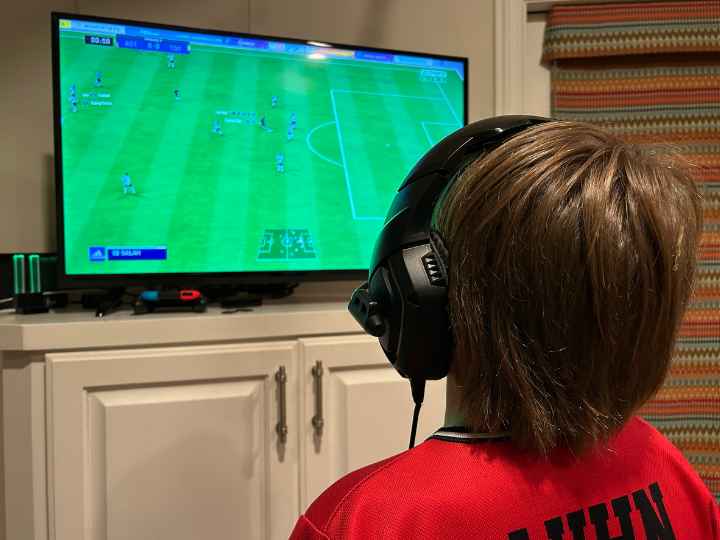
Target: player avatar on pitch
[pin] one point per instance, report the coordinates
(128, 186)
(73, 98)
(280, 162)
(216, 127)
(263, 124)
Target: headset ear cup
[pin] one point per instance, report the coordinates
(382, 289)
(443, 254)
(366, 311)
(421, 333)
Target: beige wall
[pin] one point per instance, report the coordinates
(457, 27)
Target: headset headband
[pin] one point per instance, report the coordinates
(408, 220)
(404, 302)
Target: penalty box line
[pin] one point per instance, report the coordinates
(425, 124)
(447, 101)
(348, 185)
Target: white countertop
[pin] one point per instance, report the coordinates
(75, 329)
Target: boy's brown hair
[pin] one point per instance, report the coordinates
(572, 257)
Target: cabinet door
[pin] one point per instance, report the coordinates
(366, 410)
(172, 444)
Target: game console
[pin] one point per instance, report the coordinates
(183, 299)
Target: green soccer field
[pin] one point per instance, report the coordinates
(209, 183)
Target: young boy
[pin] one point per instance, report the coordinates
(571, 260)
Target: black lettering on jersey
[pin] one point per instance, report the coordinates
(656, 527)
(621, 509)
(554, 528)
(656, 524)
(576, 523)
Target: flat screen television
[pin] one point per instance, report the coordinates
(186, 155)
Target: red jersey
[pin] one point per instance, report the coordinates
(461, 485)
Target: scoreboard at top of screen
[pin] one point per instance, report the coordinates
(148, 38)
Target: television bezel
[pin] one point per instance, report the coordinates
(251, 278)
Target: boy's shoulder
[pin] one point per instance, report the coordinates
(326, 506)
(391, 483)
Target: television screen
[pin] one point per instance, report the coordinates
(186, 151)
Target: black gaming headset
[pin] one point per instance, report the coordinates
(404, 302)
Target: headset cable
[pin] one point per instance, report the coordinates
(417, 386)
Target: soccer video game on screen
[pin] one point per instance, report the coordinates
(188, 152)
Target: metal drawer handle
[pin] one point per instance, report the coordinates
(317, 420)
(281, 428)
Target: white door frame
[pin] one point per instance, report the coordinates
(510, 21)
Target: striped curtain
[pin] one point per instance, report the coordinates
(650, 72)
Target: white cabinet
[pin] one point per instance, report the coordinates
(142, 429)
(366, 409)
(176, 443)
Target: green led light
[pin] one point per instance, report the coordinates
(34, 272)
(18, 274)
